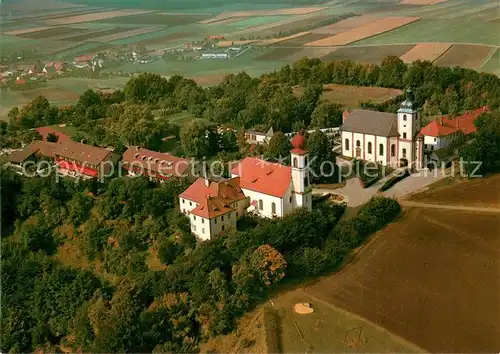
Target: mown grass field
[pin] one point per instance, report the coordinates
(352, 96)
(421, 277)
(368, 54)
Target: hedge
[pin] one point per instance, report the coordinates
(395, 179)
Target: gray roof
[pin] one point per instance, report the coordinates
(371, 122)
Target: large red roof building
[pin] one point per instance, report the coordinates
(258, 186)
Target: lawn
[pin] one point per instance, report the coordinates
(431, 277)
(352, 96)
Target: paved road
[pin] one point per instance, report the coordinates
(406, 203)
(357, 195)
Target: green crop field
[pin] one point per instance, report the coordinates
(493, 64)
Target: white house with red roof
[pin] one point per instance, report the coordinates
(264, 188)
(441, 132)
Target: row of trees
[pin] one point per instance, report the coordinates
(77, 267)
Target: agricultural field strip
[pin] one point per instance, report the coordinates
(97, 16)
(468, 12)
(298, 23)
(469, 56)
(345, 25)
(67, 14)
(27, 30)
(492, 53)
(425, 51)
(91, 36)
(121, 35)
(366, 31)
(290, 11)
(282, 39)
(54, 32)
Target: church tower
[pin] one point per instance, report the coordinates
(408, 128)
(302, 189)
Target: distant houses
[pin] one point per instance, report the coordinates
(214, 56)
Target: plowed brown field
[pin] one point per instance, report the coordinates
(425, 51)
(465, 55)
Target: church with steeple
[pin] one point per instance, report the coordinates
(389, 139)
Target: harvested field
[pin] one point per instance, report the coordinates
(346, 25)
(493, 63)
(366, 31)
(166, 38)
(289, 11)
(425, 51)
(417, 2)
(299, 23)
(131, 33)
(368, 54)
(95, 16)
(278, 54)
(466, 56)
(432, 277)
(167, 19)
(309, 53)
(27, 30)
(52, 32)
(282, 39)
(93, 35)
(478, 192)
(352, 96)
(298, 41)
(52, 94)
(224, 44)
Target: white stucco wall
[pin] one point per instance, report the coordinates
(436, 143)
(186, 205)
(222, 223)
(267, 201)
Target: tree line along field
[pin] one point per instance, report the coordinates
(432, 277)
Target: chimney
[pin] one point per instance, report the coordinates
(441, 121)
(458, 123)
(345, 114)
(207, 182)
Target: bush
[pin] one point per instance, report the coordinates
(395, 179)
(306, 261)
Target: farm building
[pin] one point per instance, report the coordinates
(384, 138)
(156, 165)
(258, 186)
(255, 137)
(441, 132)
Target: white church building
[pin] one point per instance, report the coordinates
(264, 188)
(389, 139)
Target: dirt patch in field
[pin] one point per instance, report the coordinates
(368, 54)
(465, 55)
(224, 44)
(369, 30)
(52, 32)
(208, 80)
(433, 277)
(346, 25)
(94, 35)
(52, 94)
(278, 54)
(477, 192)
(352, 96)
(289, 11)
(425, 51)
(22, 31)
(95, 16)
(228, 20)
(299, 41)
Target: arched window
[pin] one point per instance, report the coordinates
(295, 163)
(404, 117)
(369, 147)
(393, 150)
(261, 204)
(273, 208)
(404, 135)
(381, 149)
(346, 144)
(358, 143)
(404, 153)
(305, 160)
(223, 227)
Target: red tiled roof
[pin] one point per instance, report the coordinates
(445, 126)
(45, 131)
(263, 177)
(73, 166)
(156, 162)
(227, 191)
(210, 207)
(82, 153)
